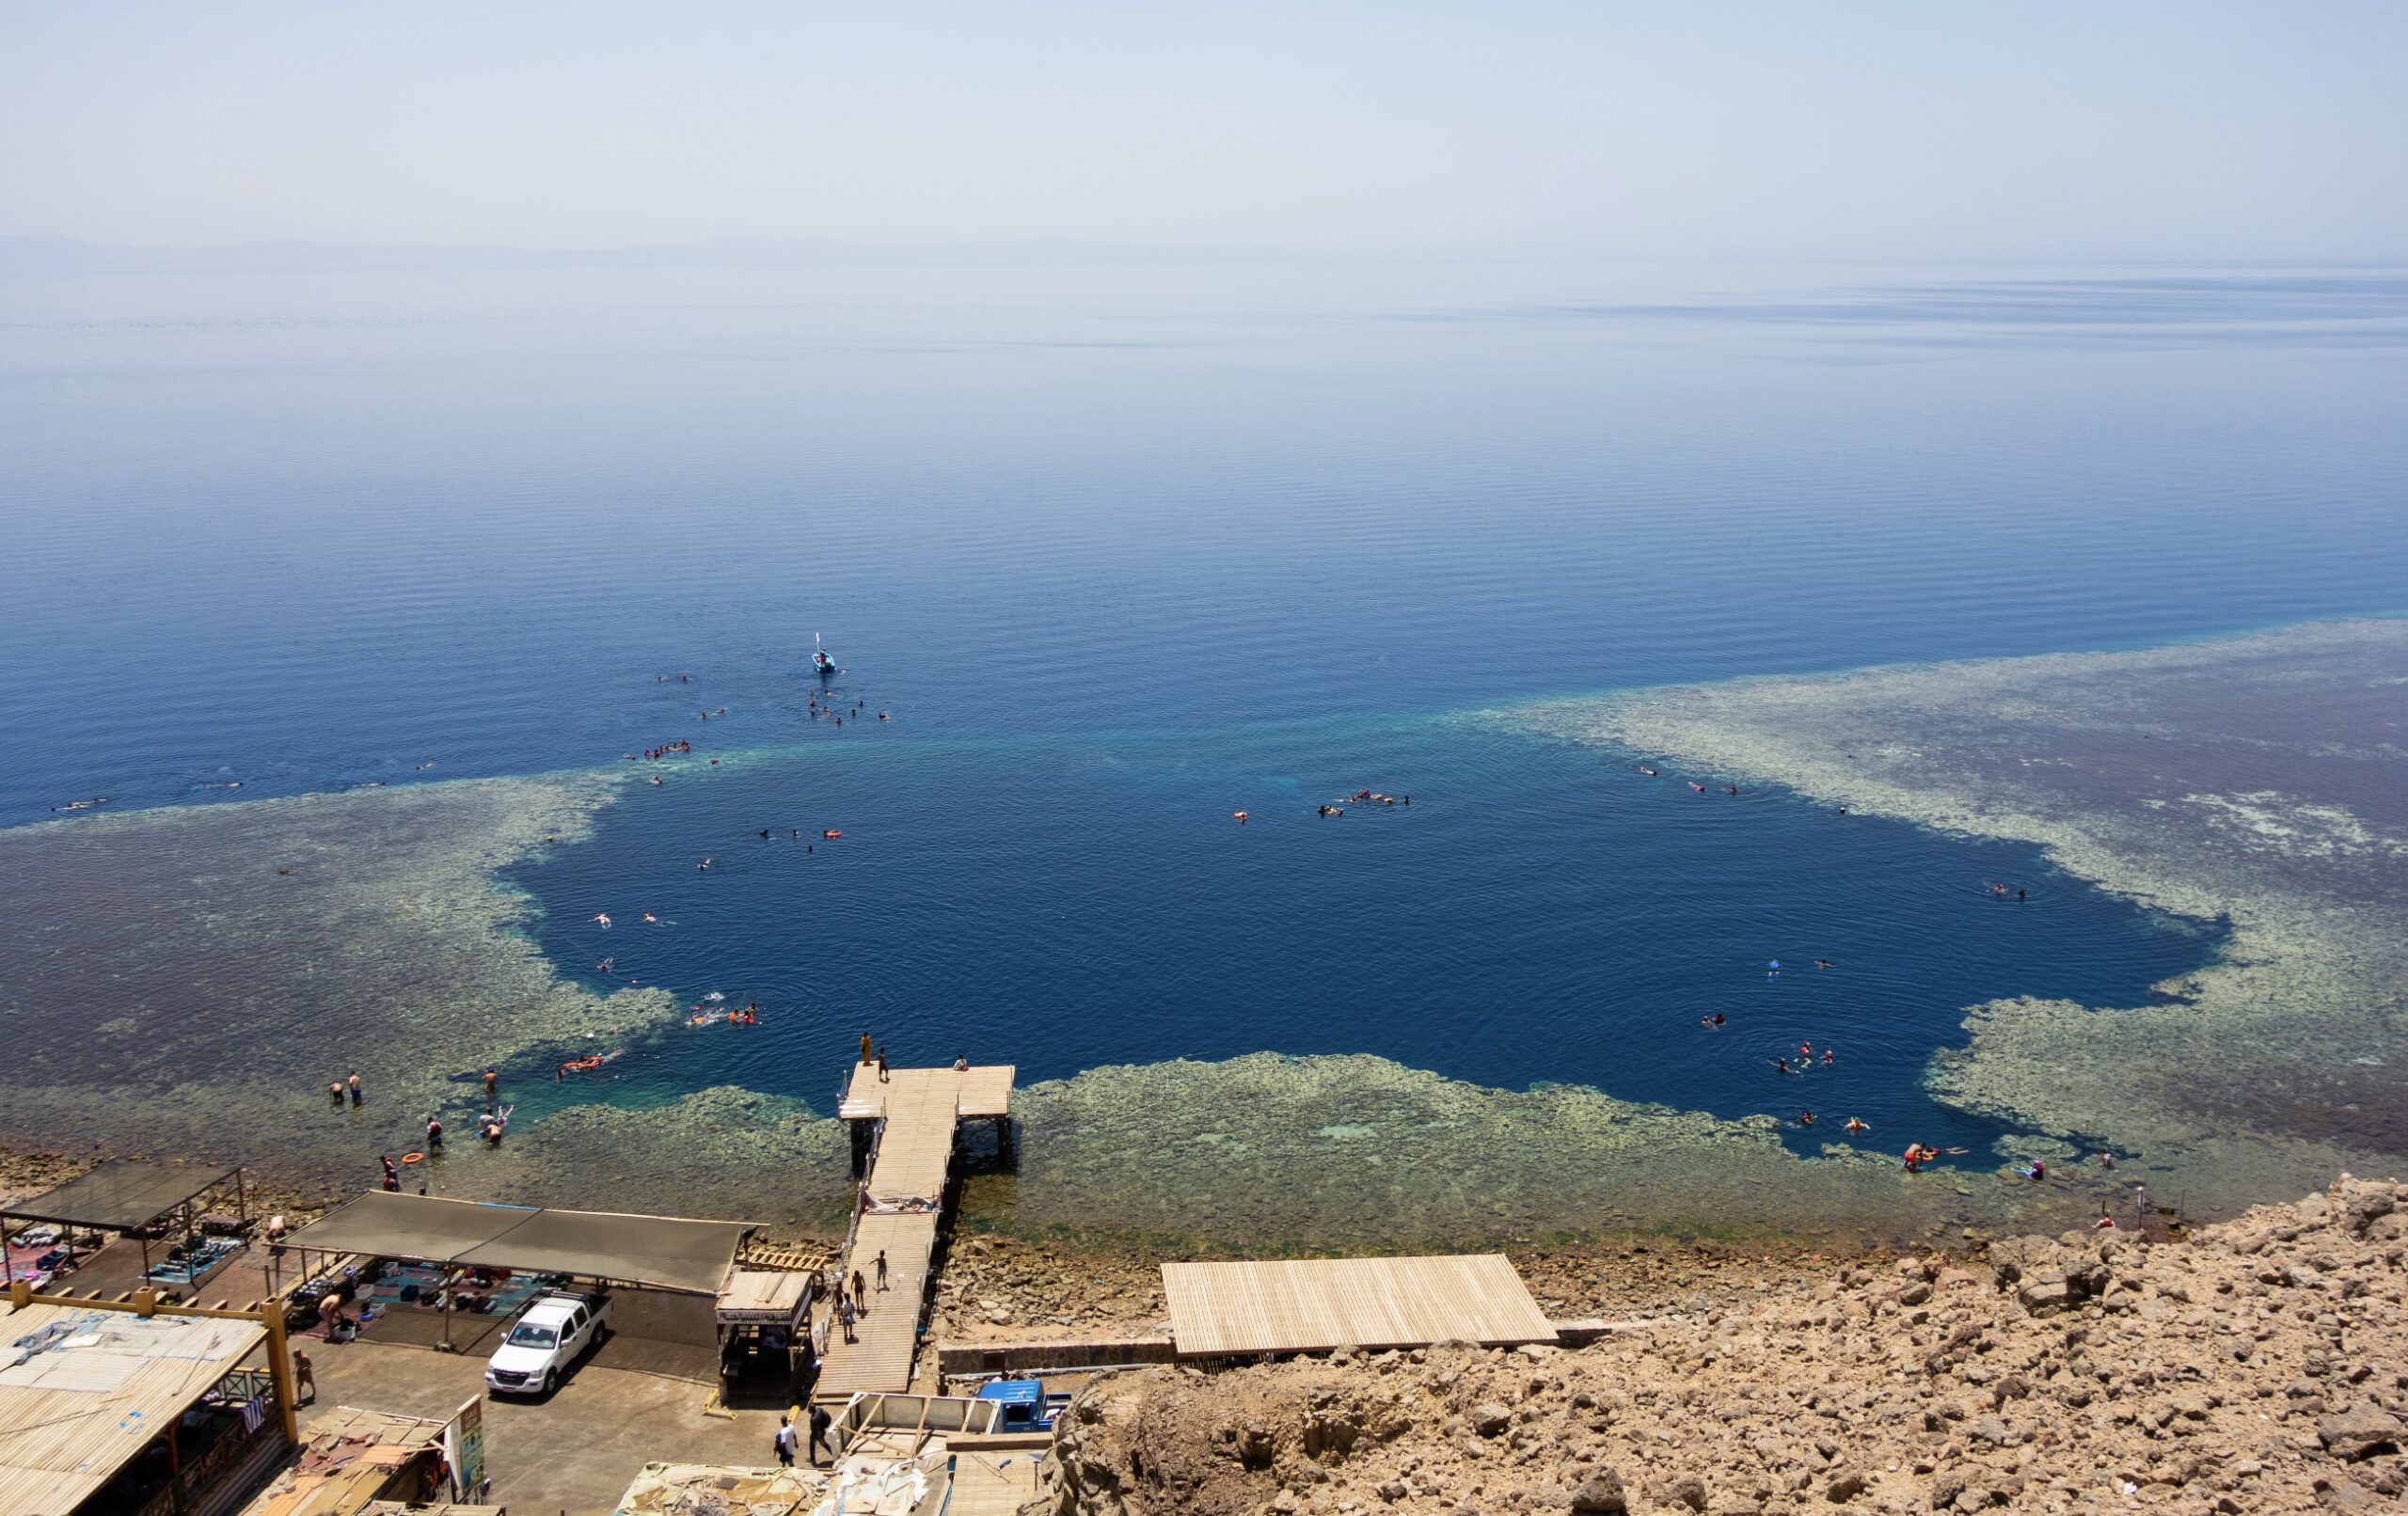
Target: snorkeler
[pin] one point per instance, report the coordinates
(1858, 1124)
(603, 919)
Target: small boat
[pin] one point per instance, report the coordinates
(821, 664)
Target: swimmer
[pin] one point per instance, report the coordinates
(881, 716)
(1718, 1019)
(703, 865)
(2021, 895)
(651, 919)
(1649, 772)
(1822, 963)
(604, 919)
(1805, 1053)
(1731, 789)
(1829, 1057)
(1858, 1124)
(604, 965)
(658, 779)
(1695, 785)
(1805, 1119)
(1241, 816)
(1782, 1063)
(764, 831)
(1772, 968)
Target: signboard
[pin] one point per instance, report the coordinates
(464, 1448)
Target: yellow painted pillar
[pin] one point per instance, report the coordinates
(279, 1368)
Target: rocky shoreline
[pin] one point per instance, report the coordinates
(2259, 1365)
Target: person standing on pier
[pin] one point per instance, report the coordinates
(881, 1067)
(865, 1049)
(861, 1293)
(882, 1269)
(845, 1316)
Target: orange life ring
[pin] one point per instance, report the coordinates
(412, 1158)
(1238, 815)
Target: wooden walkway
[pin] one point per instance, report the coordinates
(1315, 1305)
(920, 1111)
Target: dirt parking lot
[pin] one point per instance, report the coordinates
(572, 1453)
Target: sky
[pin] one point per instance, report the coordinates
(1832, 131)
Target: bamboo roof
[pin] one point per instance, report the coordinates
(83, 1391)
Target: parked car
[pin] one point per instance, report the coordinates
(545, 1340)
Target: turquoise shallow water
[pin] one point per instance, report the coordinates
(1125, 551)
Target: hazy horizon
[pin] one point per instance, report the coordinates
(1744, 133)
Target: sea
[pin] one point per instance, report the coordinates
(1128, 571)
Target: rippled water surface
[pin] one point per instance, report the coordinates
(1122, 552)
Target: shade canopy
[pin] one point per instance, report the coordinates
(664, 1252)
(119, 1196)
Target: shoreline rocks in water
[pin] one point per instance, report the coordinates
(2259, 1366)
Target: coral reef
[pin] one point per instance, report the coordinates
(2257, 780)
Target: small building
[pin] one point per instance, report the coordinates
(138, 1409)
(353, 1460)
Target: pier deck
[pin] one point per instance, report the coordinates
(920, 1111)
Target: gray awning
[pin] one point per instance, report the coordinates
(119, 1195)
(664, 1252)
(385, 1224)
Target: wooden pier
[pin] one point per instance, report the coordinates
(906, 1127)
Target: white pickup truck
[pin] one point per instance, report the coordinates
(545, 1341)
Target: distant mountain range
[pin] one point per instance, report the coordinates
(64, 256)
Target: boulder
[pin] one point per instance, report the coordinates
(1490, 1419)
(1601, 1495)
(2361, 1431)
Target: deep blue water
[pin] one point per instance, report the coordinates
(1123, 551)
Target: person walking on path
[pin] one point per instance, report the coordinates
(784, 1443)
(822, 1423)
(865, 1049)
(882, 1269)
(305, 1379)
(861, 1293)
(845, 1316)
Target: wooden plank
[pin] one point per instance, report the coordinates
(1314, 1305)
(989, 1483)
